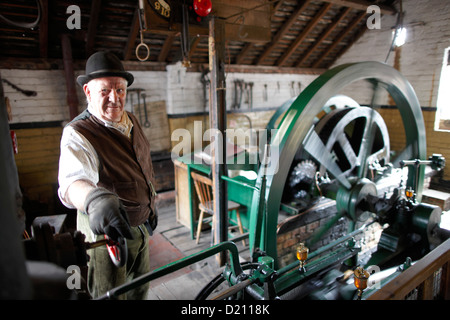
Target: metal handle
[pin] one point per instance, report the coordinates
(147, 48)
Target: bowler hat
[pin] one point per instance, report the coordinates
(104, 64)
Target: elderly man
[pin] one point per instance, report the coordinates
(106, 173)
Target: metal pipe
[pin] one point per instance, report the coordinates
(321, 250)
(177, 265)
(233, 289)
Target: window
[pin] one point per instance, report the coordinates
(443, 100)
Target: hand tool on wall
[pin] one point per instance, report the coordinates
(146, 123)
(250, 95)
(28, 93)
(238, 84)
(138, 92)
(131, 102)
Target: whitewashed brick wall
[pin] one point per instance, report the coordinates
(428, 34)
(186, 91)
(181, 90)
(49, 104)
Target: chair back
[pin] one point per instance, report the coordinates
(203, 186)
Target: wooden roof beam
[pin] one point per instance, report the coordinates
(43, 30)
(341, 36)
(249, 45)
(166, 48)
(309, 27)
(194, 47)
(363, 4)
(92, 27)
(354, 39)
(134, 31)
(241, 56)
(283, 30)
(323, 36)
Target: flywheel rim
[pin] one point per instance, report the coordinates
(297, 122)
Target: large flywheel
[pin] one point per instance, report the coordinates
(344, 145)
(344, 131)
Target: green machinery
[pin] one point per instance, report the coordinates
(343, 155)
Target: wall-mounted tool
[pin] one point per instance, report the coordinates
(138, 92)
(146, 122)
(238, 90)
(250, 94)
(28, 93)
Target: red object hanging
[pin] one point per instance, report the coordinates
(202, 7)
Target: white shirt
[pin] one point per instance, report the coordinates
(78, 159)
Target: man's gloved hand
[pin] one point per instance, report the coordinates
(107, 214)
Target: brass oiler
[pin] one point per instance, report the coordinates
(302, 255)
(361, 278)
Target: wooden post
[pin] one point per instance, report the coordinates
(218, 121)
(72, 98)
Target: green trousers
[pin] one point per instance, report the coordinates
(103, 275)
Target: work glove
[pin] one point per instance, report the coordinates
(107, 214)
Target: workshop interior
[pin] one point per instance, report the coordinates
(299, 146)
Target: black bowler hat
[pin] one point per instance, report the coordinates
(104, 64)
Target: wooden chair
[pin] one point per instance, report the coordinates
(203, 186)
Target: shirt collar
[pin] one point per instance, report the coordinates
(124, 125)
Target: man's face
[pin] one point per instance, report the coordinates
(107, 96)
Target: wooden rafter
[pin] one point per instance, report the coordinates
(323, 36)
(354, 39)
(43, 30)
(166, 48)
(131, 41)
(363, 5)
(242, 55)
(309, 27)
(92, 28)
(194, 47)
(249, 45)
(338, 40)
(283, 30)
